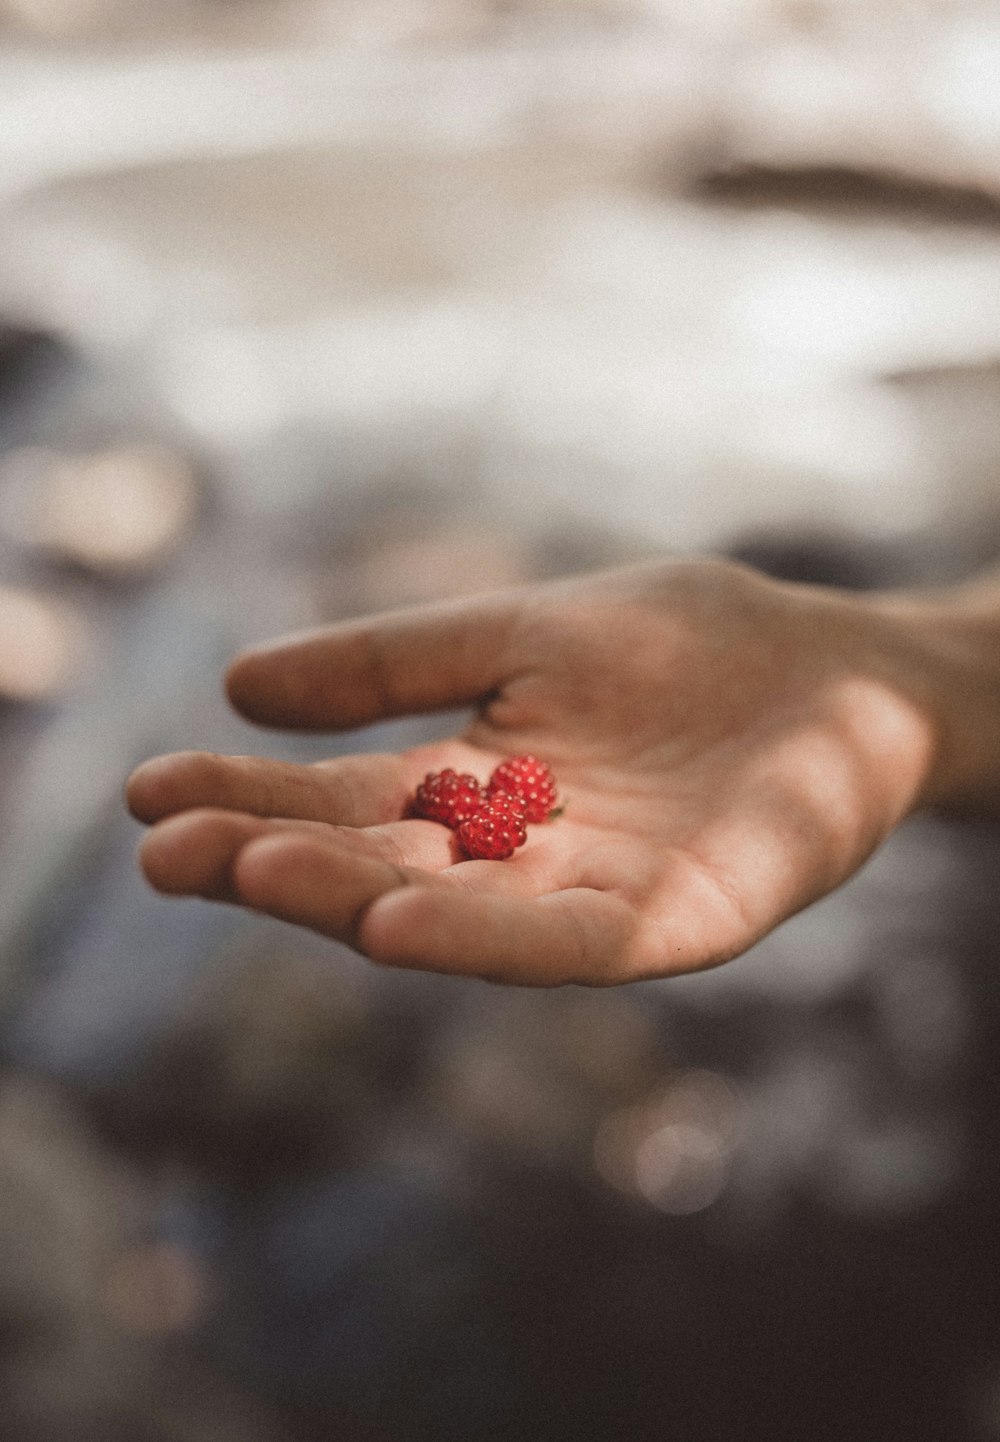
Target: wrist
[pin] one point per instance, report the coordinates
(945, 648)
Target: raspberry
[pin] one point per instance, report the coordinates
(530, 780)
(448, 796)
(496, 830)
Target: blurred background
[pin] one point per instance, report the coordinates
(309, 307)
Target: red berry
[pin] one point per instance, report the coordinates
(496, 830)
(530, 780)
(448, 796)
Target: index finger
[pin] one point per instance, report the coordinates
(396, 664)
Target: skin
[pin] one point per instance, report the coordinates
(728, 748)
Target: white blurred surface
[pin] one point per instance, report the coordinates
(390, 227)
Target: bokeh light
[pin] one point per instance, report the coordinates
(673, 1149)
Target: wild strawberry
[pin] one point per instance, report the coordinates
(448, 796)
(496, 830)
(530, 780)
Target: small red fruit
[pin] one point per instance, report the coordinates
(530, 780)
(448, 796)
(496, 830)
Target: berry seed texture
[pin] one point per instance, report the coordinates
(490, 822)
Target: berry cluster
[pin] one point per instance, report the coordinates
(491, 820)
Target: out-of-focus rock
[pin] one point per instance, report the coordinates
(118, 512)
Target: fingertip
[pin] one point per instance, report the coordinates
(164, 784)
(238, 681)
(252, 688)
(165, 853)
(192, 853)
(268, 872)
(281, 685)
(402, 927)
(143, 789)
(151, 865)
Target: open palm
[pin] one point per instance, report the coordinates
(727, 749)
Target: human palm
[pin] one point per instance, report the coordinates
(727, 749)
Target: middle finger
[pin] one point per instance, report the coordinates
(192, 854)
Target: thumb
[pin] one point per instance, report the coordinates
(396, 664)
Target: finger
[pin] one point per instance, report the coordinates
(392, 665)
(351, 791)
(323, 886)
(192, 854)
(580, 936)
(405, 918)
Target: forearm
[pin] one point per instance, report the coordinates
(950, 642)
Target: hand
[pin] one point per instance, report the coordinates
(728, 748)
